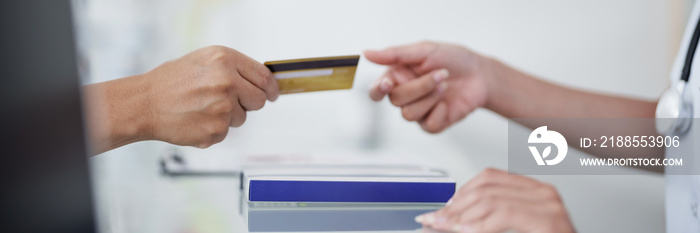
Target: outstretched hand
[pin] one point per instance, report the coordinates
(434, 84)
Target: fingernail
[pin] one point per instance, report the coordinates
(441, 75)
(419, 218)
(442, 87)
(385, 85)
(428, 219)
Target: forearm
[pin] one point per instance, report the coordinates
(515, 94)
(116, 113)
(529, 100)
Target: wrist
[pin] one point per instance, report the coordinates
(128, 117)
(494, 78)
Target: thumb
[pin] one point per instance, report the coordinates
(401, 55)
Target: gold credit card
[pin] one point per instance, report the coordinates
(314, 74)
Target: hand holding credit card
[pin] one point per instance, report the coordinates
(314, 74)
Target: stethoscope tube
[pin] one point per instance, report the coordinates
(675, 110)
(690, 54)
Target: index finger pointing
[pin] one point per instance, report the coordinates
(406, 54)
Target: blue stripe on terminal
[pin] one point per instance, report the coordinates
(349, 191)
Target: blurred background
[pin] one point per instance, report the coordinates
(624, 47)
